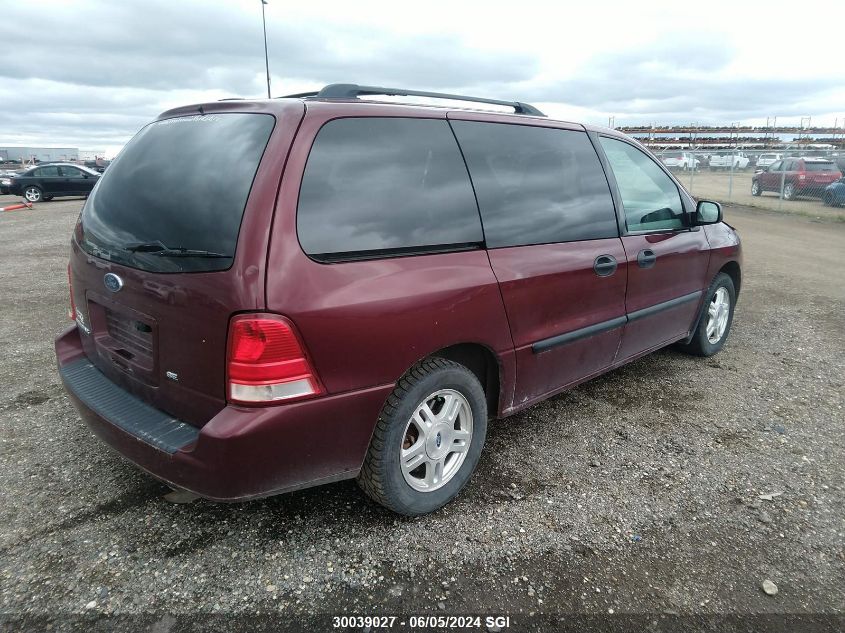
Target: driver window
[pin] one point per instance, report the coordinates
(650, 198)
(775, 166)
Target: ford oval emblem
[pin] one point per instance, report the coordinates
(112, 282)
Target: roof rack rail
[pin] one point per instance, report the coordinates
(353, 91)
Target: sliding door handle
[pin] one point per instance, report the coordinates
(646, 258)
(605, 265)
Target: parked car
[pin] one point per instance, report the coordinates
(834, 194)
(6, 179)
(796, 177)
(767, 160)
(53, 180)
(680, 160)
(737, 160)
(98, 165)
(369, 285)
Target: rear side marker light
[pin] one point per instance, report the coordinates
(267, 362)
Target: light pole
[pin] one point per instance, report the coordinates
(266, 57)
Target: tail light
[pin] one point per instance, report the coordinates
(802, 176)
(72, 311)
(267, 362)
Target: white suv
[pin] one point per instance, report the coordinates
(765, 160)
(735, 160)
(680, 160)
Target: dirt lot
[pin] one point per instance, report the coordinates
(643, 491)
(723, 186)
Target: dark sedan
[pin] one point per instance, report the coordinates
(50, 181)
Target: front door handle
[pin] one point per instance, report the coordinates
(605, 265)
(646, 258)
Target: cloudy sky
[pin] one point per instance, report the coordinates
(89, 74)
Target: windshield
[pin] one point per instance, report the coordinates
(181, 183)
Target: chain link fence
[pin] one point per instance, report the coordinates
(804, 175)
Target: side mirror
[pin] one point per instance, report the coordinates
(707, 212)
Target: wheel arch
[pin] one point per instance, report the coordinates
(732, 270)
(483, 363)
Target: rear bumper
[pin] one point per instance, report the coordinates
(239, 454)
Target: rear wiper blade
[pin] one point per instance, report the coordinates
(162, 250)
(188, 252)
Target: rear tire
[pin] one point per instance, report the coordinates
(714, 324)
(828, 199)
(405, 479)
(789, 191)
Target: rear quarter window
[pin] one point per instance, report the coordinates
(378, 187)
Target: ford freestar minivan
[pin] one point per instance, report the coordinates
(275, 294)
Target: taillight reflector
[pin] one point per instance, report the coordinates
(266, 362)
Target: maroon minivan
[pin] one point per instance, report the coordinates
(275, 294)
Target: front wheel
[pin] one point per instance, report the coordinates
(33, 194)
(828, 199)
(428, 438)
(717, 314)
(755, 188)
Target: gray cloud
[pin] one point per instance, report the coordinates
(677, 80)
(168, 45)
(102, 70)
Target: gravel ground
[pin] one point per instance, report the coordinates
(675, 485)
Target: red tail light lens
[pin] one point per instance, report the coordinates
(72, 312)
(267, 363)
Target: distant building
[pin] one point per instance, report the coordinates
(42, 154)
(91, 154)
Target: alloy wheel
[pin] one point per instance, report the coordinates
(32, 194)
(436, 440)
(717, 315)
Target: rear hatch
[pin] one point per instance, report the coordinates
(821, 173)
(156, 271)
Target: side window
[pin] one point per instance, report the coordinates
(381, 184)
(71, 172)
(536, 185)
(47, 172)
(775, 166)
(651, 199)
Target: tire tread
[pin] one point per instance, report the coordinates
(370, 479)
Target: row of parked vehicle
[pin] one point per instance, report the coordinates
(790, 177)
(739, 160)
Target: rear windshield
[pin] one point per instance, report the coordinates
(819, 166)
(173, 199)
